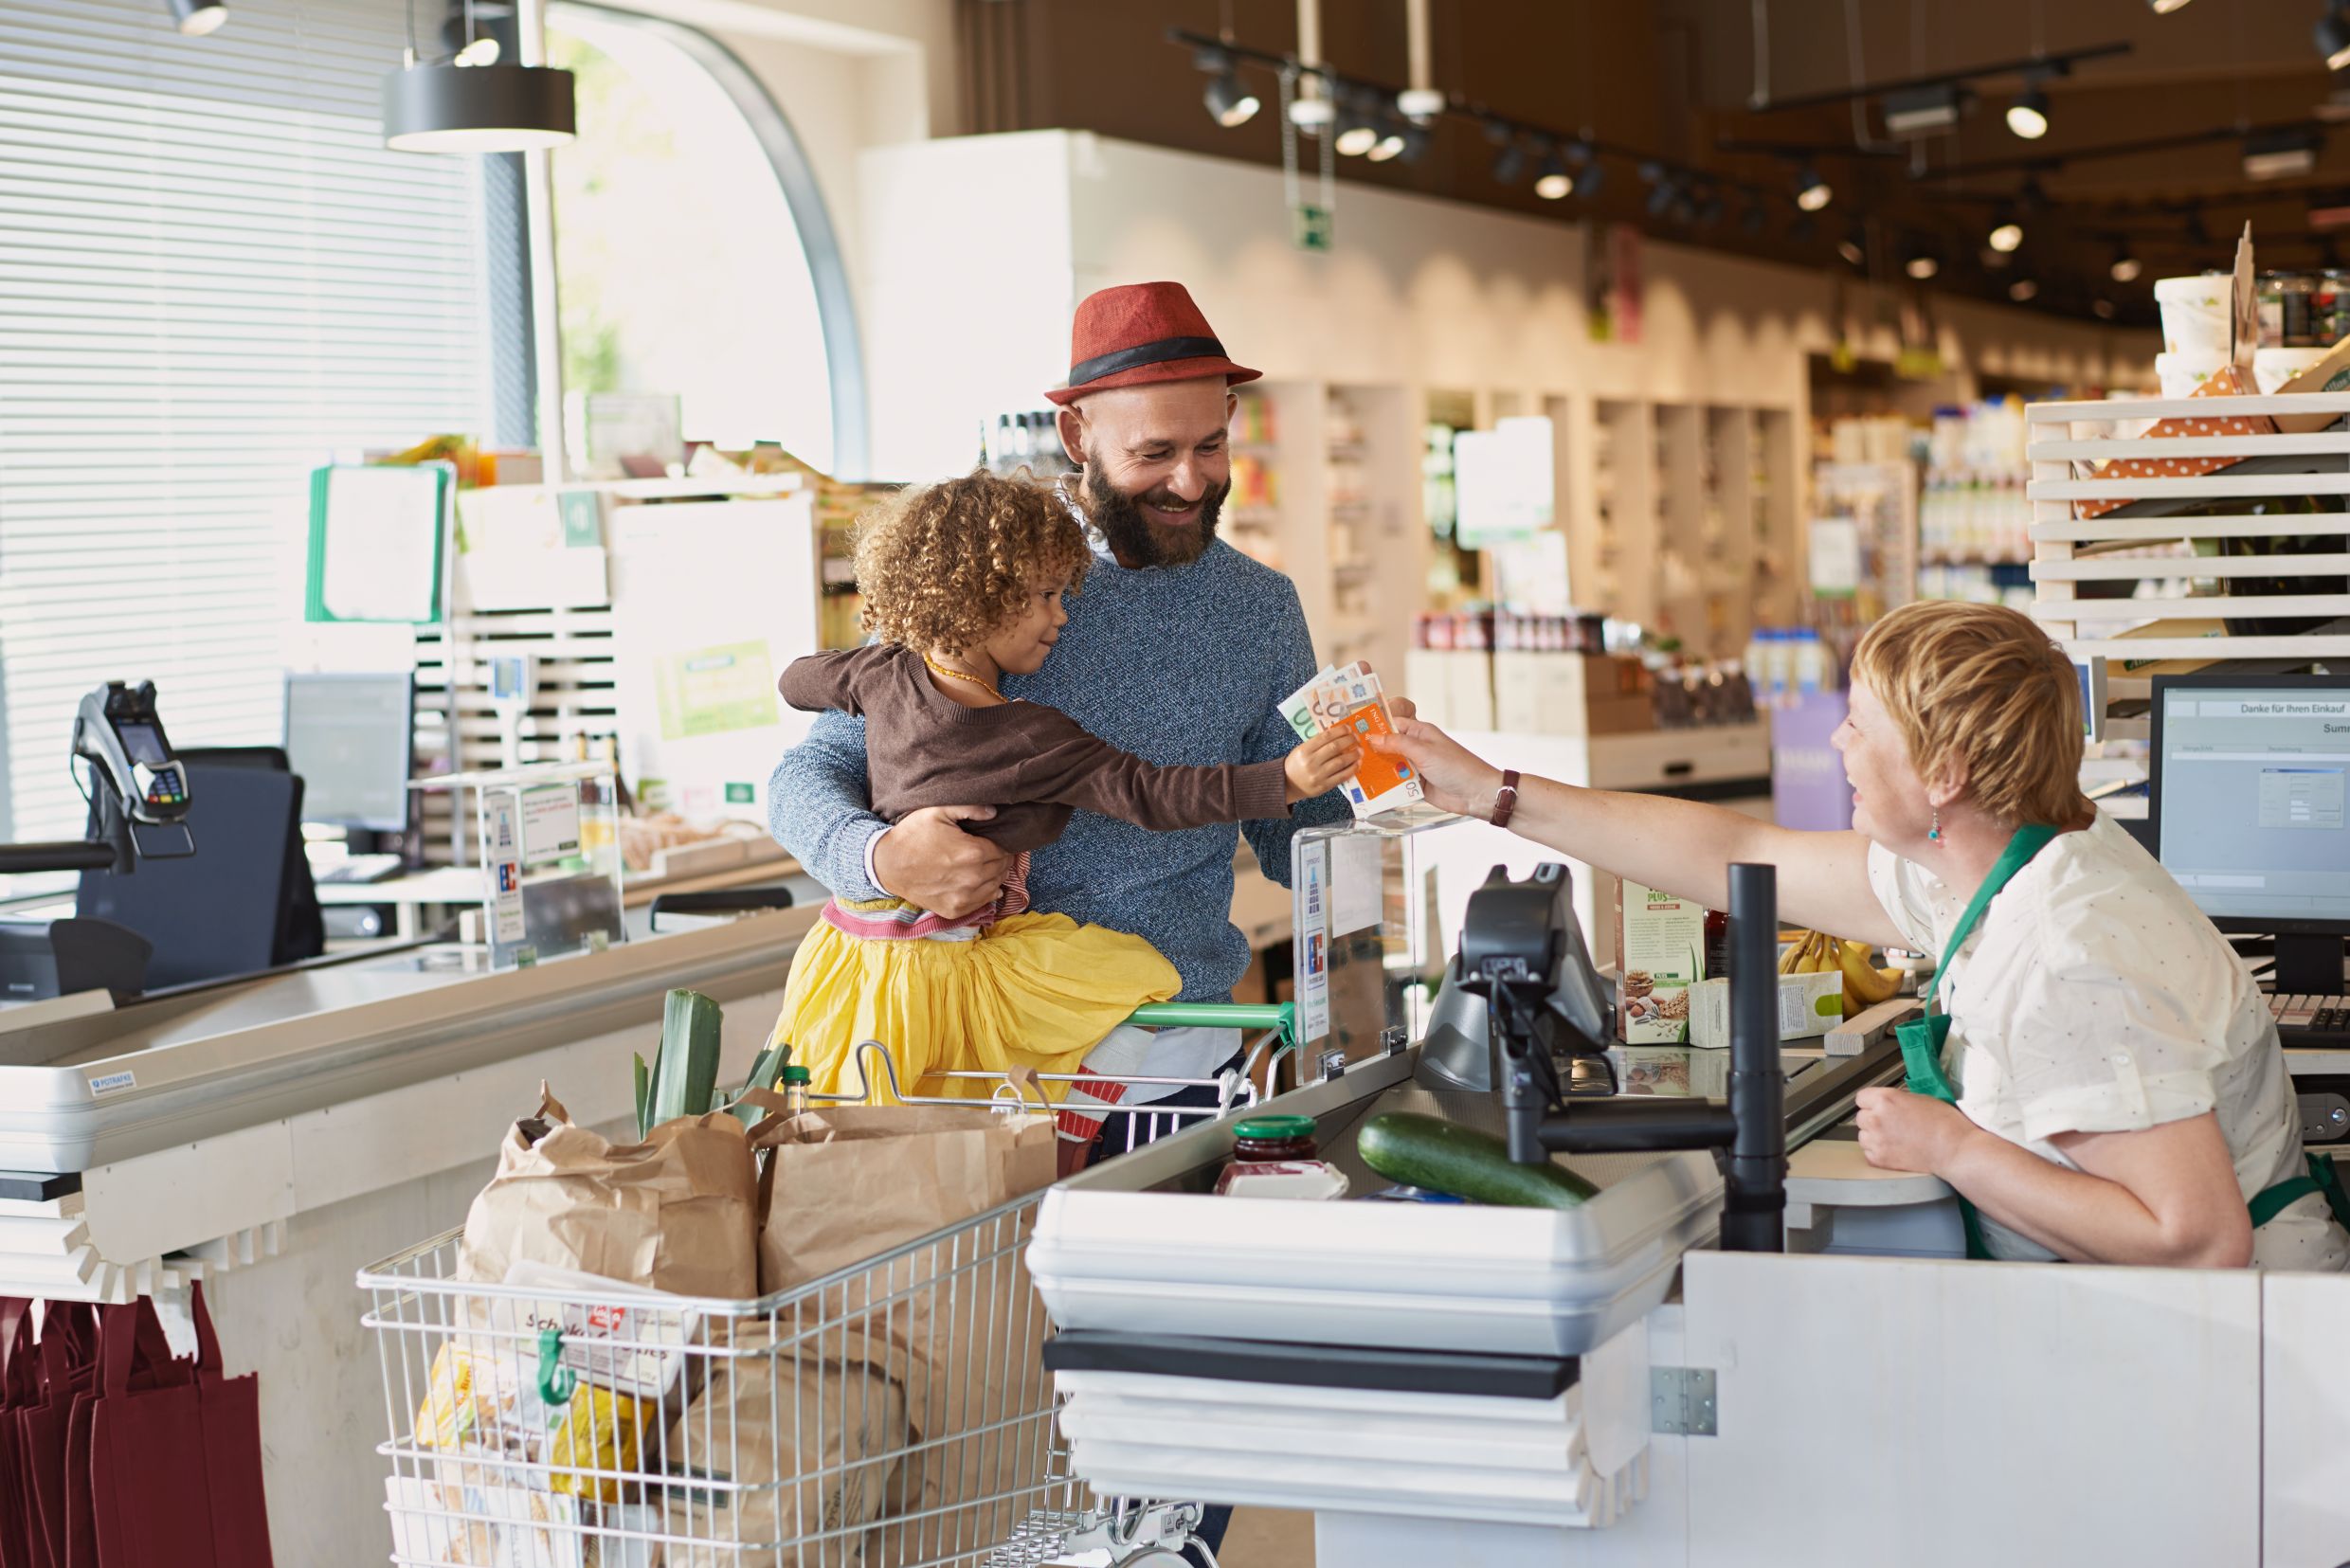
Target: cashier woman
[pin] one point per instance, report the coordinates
(2097, 1077)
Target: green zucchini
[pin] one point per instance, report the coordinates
(1422, 1151)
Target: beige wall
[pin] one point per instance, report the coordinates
(978, 247)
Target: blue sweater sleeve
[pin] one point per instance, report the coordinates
(1290, 649)
(818, 806)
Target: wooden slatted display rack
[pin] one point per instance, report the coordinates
(2147, 544)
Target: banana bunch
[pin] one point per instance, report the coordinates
(1865, 985)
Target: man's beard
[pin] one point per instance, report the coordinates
(1134, 539)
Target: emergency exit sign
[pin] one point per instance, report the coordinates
(1310, 227)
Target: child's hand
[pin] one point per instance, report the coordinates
(1322, 764)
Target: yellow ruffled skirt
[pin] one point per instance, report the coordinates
(1030, 990)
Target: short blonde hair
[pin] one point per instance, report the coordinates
(946, 566)
(1981, 686)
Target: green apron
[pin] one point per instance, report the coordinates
(1922, 1039)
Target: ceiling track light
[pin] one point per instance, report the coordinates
(1921, 263)
(1229, 102)
(2125, 267)
(1420, 102)
(1706, 208)
(1390, 145)
(2102, 307)
(2006, 232)
(1812, 192)
(1854, 247)
(2027, 116)
(1509, 162)
(196, 18)
(1804, 230)
(1924, 110)
(2333, 36)
(1554, 184)
(2287, 154)
(2022, 289)
(1590, 177)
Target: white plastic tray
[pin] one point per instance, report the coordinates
(1407, 1275)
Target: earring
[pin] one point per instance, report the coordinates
(1935, 832)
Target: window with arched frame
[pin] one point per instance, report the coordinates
(693, 253)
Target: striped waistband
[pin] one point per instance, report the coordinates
(894, 920)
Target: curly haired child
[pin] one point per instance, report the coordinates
(964, 584)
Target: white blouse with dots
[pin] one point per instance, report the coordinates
(2094, 997)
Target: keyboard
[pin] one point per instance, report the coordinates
(361, 868)
(2319, 1021)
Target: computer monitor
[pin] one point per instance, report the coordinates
(241, 904)
(2250, 798)
(352, 738)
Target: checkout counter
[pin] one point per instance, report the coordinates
(274, 1133)
(1640, 1396)
(1616, 1385)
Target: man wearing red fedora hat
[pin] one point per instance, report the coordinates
(1178, 650)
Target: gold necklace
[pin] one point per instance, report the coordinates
(986, 686)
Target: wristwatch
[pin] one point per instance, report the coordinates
(1506, 801)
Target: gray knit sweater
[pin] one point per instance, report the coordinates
(1175, 664)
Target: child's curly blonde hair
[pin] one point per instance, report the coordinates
(944, 566)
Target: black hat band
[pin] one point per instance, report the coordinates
(1166, 349)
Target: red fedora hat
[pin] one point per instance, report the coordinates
(1140, 333)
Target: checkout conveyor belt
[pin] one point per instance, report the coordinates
(112, 1085)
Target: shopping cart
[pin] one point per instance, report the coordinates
(895, 1414)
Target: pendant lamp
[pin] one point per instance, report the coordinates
(454, 108)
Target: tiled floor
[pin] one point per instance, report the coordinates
(1268, 1537)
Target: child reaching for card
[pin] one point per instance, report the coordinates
(963, 582)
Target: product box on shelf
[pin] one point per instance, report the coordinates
(1660, 954)
(2321, 377)
(2225, 382)
(1809, 1006)
(1570, 694)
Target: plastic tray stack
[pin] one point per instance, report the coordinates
(2147, 542)
(1355, 1450)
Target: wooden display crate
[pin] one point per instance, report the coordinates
(2146, 541)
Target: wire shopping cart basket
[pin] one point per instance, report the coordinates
(894, 1414)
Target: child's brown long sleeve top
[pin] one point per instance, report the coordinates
(1035, 765)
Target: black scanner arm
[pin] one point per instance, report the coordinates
(132, 777)
(1521, 950)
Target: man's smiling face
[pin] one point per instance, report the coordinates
(1157, 466)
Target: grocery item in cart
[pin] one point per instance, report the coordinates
(478, 1522)
(852, 1181)
(809, 1436)
(677, 1212)
(483, 1406)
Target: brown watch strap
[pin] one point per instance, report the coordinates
(1506, 801)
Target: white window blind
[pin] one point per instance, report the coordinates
(213, 277)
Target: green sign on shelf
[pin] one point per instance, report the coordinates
(1309, 226)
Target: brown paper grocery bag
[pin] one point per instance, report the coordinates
(956, 1321)
(801, 1434)
(677, 1212)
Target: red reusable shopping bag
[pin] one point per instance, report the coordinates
(20, 1383)
(130, 1331)
(68, 1361)
(175, 1467)
(232, 1451)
